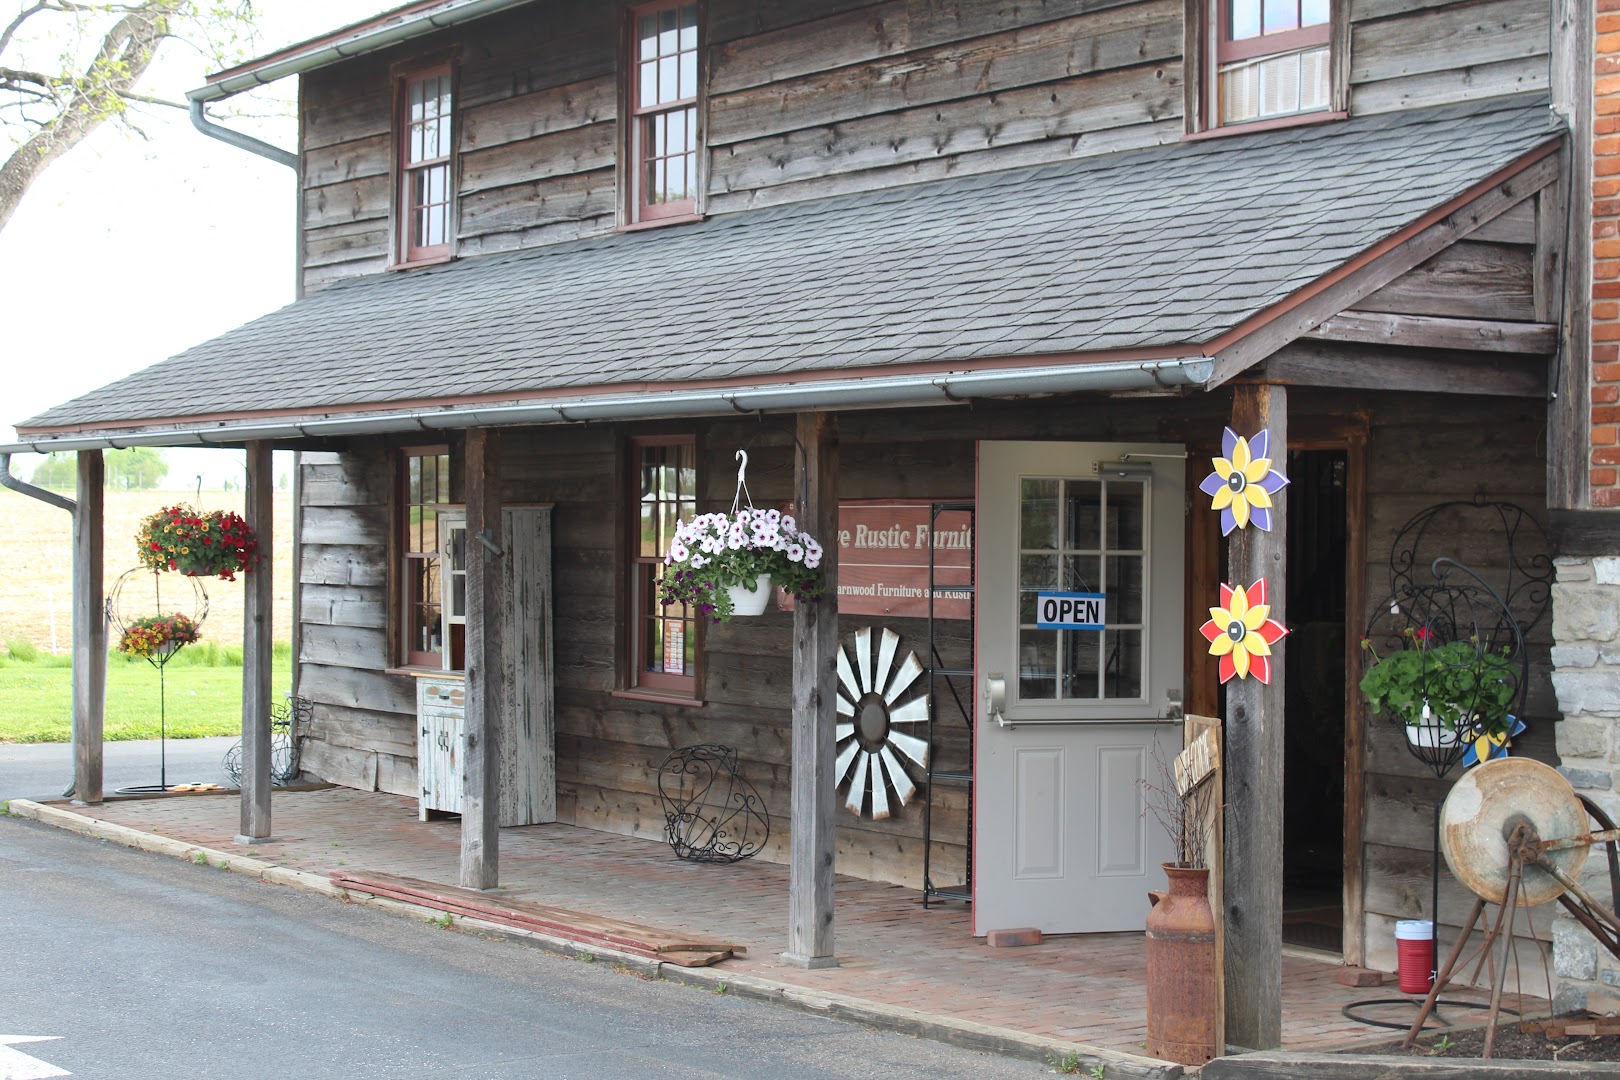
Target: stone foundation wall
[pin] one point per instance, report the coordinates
(1586, 677)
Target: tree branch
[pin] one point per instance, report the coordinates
(22, 17)
(125, 53)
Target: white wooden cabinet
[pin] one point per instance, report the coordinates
(526, 740)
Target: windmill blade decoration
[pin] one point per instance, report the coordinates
(869, 745)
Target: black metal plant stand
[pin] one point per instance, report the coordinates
(1455, 603)
(711, 814)
(118, 605)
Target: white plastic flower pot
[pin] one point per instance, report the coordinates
(1426, 735)
(750, 601)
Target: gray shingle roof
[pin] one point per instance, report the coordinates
(1148, 249)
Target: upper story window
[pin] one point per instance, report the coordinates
(426, 140)
(663, 651)
(663, 108)
(1272, 58)
(425, 511)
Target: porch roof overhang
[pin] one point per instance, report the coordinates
(1149, 271)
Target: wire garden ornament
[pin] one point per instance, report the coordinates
(131, 601)
(711, 813)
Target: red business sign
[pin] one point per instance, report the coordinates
(883, 559)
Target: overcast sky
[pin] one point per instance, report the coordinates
(127, 251)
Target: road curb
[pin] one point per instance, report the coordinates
(963, 1033)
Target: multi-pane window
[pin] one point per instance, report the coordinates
(1083, 536)
(424, 498)
(664, 113)
(664, 650)
(425, 148)
(1273, 58)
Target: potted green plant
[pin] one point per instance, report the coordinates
(725, 564)
(1442, 692)
(197, 543)
(155, 637)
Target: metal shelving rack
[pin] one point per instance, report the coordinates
(952, 686)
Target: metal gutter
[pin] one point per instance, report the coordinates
(368, 38)
(7, 480)
(864, 393)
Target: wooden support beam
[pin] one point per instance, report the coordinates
(1434, 332)
(480, 800)
(1358, 367)
(815, 683)
(89, 630)
(1254, 765)
(258, 600)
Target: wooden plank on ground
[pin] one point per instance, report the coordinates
(685, 950)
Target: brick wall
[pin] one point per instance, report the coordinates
(1605, 388)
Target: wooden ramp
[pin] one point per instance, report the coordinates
(648, 941)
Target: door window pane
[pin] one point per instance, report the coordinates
(1039, 514)
(1037, 664)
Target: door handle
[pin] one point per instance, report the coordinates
(995, 697)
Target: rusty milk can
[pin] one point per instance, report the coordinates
(1181, 969)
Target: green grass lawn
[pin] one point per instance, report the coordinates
(204, 694)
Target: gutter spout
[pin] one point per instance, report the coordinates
(200, 121)
(18, 485)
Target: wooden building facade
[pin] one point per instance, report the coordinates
(546, 245)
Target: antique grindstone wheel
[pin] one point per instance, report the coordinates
(1517, 835)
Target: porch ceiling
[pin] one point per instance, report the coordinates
(1100, 263)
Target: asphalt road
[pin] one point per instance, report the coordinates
(140, 966)
(41, 771)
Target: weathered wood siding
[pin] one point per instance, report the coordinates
(1406, 54)
(364, 729)
(828, 96)
(1427, 449)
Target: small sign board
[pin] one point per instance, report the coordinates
(1069, 610)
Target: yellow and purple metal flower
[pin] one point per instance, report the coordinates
(1243, 482)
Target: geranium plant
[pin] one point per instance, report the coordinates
(712, 551)
(1460, 685)
(156, 635)
(197, 543)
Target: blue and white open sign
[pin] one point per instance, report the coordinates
(1069, 610)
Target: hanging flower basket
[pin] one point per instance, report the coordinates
(157, 635)
(1443, 693)
(713, 552)
(211, 543)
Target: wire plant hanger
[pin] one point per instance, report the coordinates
(121, 609)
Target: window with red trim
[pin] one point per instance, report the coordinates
(1272, 58)
(426, 142)
(424, 498)
(663, 653)
(663, 106)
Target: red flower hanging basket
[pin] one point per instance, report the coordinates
(210, 543)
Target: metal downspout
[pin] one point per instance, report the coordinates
(9, 481)
(200, 121)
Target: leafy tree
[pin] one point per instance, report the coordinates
(135, 468)
(67, 67)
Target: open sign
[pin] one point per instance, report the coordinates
(1069, 610)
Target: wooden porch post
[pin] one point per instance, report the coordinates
(257, 601)
(815, 659)
(89, 631)
(1254, 766)
(480, 805)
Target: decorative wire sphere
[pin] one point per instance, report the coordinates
(711, 814)
(140, 594)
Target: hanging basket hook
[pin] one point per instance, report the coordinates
(742, 498)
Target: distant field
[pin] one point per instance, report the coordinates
(36, 592)
(202, 696)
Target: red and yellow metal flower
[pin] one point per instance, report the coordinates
(1241, 632)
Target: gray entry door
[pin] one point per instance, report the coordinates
(1068, 719)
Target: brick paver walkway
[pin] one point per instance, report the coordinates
(1082, 988)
